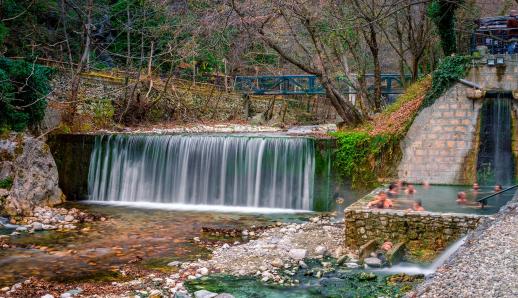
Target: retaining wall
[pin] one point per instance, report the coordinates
(441, 146)
(424, 229)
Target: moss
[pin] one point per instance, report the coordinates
(364, 158)
(6, 182)
(469, 173)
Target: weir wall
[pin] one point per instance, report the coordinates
(72, 154)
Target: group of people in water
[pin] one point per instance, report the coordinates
(389, 198)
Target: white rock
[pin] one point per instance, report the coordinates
(321, 250)
(203, 271)
(174, 264)
(155, 293)
(37, 226)
(297, 253)
(372, 262)
(47, 296)
(225, 246)
(224, 295)
(204, 294)
(69, 218)
(277, 262)
(303, 265)
(352, 265)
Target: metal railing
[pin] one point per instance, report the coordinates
(483, 201)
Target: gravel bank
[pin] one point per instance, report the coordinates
(485, 266)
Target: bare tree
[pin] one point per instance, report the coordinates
(300, 33)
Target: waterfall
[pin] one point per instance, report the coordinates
(495, 163)
(245, 171)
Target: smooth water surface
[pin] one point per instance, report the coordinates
(442, 198)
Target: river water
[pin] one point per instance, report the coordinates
(157, 236)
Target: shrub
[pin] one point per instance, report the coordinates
(23, 90)
(6, 182)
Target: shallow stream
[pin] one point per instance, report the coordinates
(155, 236)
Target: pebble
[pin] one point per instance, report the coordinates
(203, 271)
(204, 294)
(174, 264)
(277, 262)
(47, 296)
(155, 294)
(303, 265)
(224, 295)
(321, 250)
(297, 254)
(372, 262)
(342, 260)
(488, 258)
(37, 226)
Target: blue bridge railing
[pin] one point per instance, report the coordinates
(309, 84)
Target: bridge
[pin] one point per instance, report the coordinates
(310, 85)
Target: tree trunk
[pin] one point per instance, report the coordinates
(373, 45)
(343, 107)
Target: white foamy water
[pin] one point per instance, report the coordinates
(413, 269)
(200, 208)
(219, 170)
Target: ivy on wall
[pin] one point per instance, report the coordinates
(448, 72)
(442, 13)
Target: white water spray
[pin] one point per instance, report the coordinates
(239, 171)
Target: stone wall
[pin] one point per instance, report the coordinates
(425, 229)
(441, 145)
(440, 140)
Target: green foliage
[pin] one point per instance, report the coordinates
(23, 87)
(449, 71)
(4, 31)
(6, 182)
(442, 13)
(361, 156)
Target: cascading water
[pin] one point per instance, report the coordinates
(495, 159)
(246, 171)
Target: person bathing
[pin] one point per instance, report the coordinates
(381, 201)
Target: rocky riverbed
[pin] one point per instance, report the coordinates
(485, 266)
(285, 260)
(46, 218)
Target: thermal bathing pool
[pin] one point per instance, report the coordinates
(442, 198)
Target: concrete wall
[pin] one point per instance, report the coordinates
(72, 155)
(425, 229)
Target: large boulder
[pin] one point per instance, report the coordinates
(30, 165)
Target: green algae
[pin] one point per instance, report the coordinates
(335, 281)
